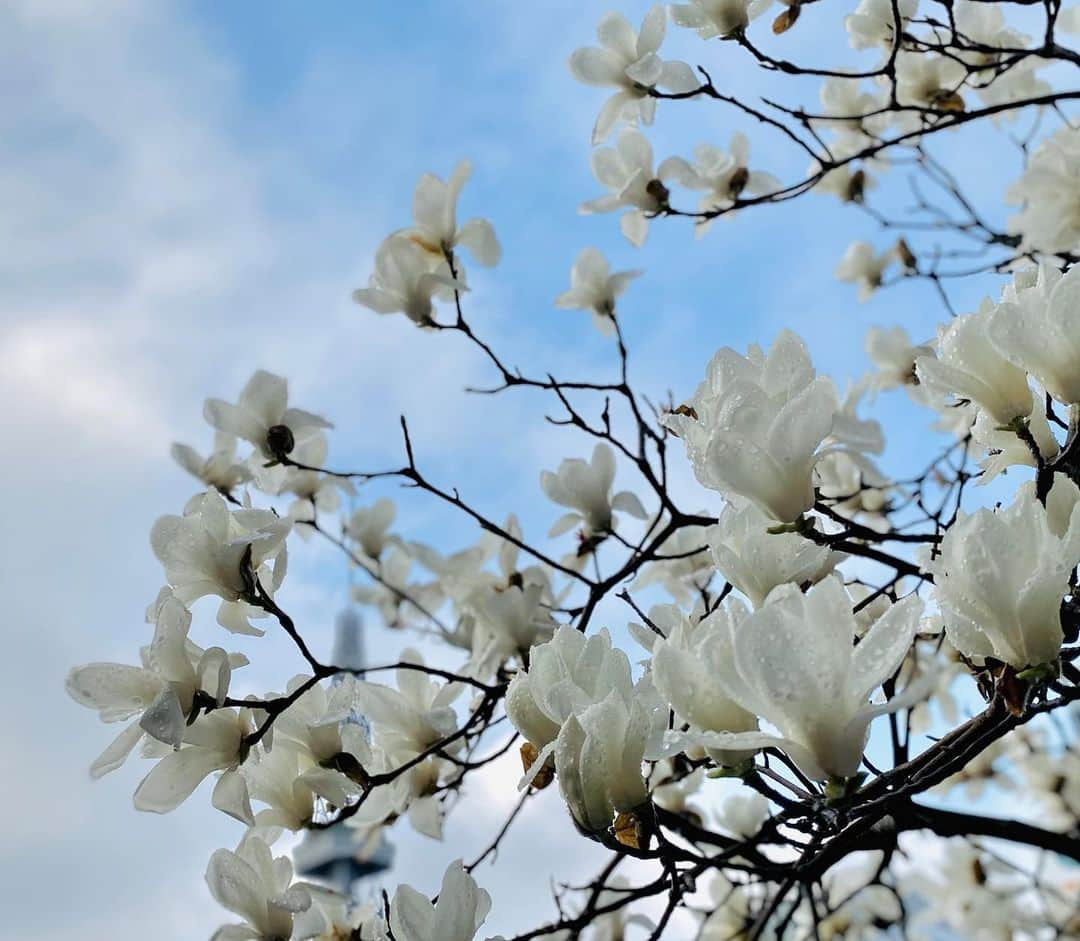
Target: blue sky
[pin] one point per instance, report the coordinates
(191, 191)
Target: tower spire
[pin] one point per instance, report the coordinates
(341, 856)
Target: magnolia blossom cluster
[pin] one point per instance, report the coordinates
(1008, 364)
(418, 265)
(772, 649)
(760, 426)
(797, 662)
(855, 111)
(278, 768)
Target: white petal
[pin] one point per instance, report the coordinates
(678, 77)
(635, 226)
(629, 503)
(877, 656)
(615, 32)
(164, 719)
(653, 27)
(597, 67)
(609, 115)
(647, 70)
(117, 752)
(478, 236)
(412, 916)
(231, 797)
(172, 779)
(236, 886)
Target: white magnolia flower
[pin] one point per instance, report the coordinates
(627, 61)
(974, 778)
(369, 527)
(1049, 194)
(414, 716)
(393, 587)
(508, 556)
(756, 561)
(723, 176)
(954, 417)
(435, 226)
(258, 887)
(756, 425)
(161, 692)
(463, 579)
(510, 622)
(672, 790)
(892, 351)
(846, 101)
(743, 814)
(214, 742)
(320, 722)
(683, 565)
(598, 756)
(862, 266)
(203, 553)
(414, 794)
(288, 779)
(1054, 781)
(983, 24)
(712, 18)
(969, 366)
(858, 436)
(457, 916)
(735, 909)
(627, 171)
(406, 279)
(614, 923)
(682, 675)
(873, 24)
(1001, 575)
(926, 80)
(220, 470)
(335, 917)
(856, 904)
(585, 487)
(854, 489)
(315, 493)
(263, 417)
(1037, 327)
(663, 619)
(1005, 448)
(594, 288)
(793, 663)
(969, 891)
(848, 183)
(566, 675)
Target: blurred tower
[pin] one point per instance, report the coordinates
(342, 856)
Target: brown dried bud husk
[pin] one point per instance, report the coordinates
(978, 872)
(738, 182)
(948, 101)
(1013, 690)
(633, 830)
(350, 766)
(529, 754)
(856, 186)
(280, 441)
(659, 192)
(905, 254)
(786, 20)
